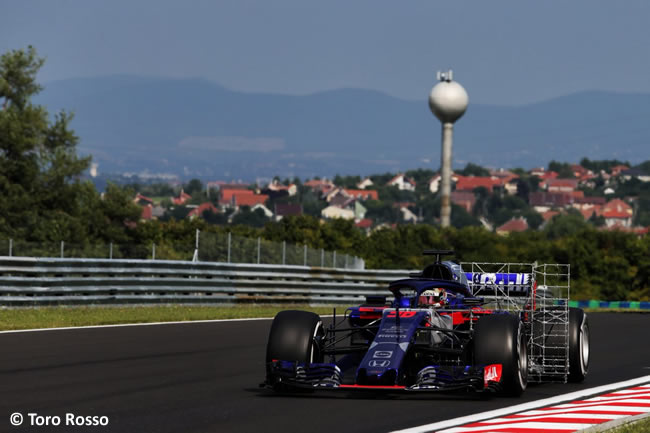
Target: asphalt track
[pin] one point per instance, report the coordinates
(204, 377)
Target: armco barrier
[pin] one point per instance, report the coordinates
(51, 281)
(46, 281)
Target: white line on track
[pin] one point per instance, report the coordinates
(121, 325)
(525, 406)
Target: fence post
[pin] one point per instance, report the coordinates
(305, 254)
(110, 251)
(284, 252)
(346, 261)
(62, 246)
(259, 246)
(334, 259)
(153, 252)
(229, 242)
(195, 257)
(11, 247)
(322, 257)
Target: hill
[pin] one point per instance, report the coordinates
(196, 128)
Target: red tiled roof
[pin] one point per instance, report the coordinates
(514, 225)
(182, 198)
(202, 208)
(469, 183)
(140, 197)
(227, 194)
(549, 214)
(617, 208)
(249, 199)
(466, 199)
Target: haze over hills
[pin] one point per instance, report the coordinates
(196, 128)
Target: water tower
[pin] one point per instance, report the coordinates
(448, 101)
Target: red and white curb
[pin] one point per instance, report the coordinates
(631, 399)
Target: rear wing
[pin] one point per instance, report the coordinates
(518, 280)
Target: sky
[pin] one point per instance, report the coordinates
(510, 52)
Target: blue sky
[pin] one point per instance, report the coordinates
(503, 52)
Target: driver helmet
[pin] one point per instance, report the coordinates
(433, 298)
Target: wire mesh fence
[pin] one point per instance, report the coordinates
(228, 248)
(208, 247)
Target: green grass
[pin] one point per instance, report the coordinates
(57, 317)
(642, 426)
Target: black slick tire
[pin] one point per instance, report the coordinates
(294, 336)
(500, 339)
(578, 345)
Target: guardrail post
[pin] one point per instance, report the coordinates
(284, 252)
(153, 252)
(229, 242)
(346, 261)
(195, 257)
(62, 244)
(110, 251)
(322, 257)
(334, 259)
(11, 247)
(259, 246)
(304, 253)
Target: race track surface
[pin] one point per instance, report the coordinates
(204, 377)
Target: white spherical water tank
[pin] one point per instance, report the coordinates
(448, 101)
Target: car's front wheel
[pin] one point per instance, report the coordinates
(295, 336)
(500, 339)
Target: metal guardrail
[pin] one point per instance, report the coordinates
(52, 281)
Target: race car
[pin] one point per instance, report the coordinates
(491, 327)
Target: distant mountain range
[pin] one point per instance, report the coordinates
(196, 128)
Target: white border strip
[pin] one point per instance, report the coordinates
(524, 406)
(122, 325)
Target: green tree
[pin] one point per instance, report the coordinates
(39, 168)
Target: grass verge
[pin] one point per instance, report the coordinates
(642, 426)
(58, 317)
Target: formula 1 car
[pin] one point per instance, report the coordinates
(492, 327)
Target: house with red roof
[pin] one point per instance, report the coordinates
(464, 199)
(182, 198)
(469, 183)
(287, 209)
(543, 201)
(276, 186)
(617, 169)
(203, 207)
(246, 199)
(560, 185)
(514, 225)
(226, 195)
(617, 213)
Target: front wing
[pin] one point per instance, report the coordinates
(287, 376)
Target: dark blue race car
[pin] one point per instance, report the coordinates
(489, 327)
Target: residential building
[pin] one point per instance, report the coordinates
(464, 199)
(331, 212)
(287, 209)
(365, 183)
(617, 213)
(402, 183)
(203, 207)
(514, 225)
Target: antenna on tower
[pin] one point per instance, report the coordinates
(445, 76)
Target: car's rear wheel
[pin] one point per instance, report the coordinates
(578, 345)
(295, 336)
(500, 339)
